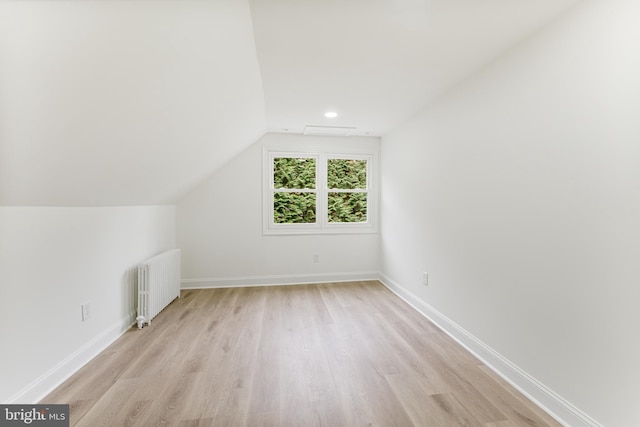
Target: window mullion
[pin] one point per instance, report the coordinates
(347, 190)
(321, 197)
(294, 190)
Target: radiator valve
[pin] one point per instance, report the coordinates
(140, 320)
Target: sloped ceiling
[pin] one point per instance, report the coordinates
(377, 62)
(123, 102)
(136, 102)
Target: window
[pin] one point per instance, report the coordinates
(294, 190)
(310, 193)
(347, 190)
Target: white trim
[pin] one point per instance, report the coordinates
(47, 382)
(275, 280)
(560, 409)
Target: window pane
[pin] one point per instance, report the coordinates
(294, 173)
(294, 208)
(347, 207)
(346, 174)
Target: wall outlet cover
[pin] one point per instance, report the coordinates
(86, 311)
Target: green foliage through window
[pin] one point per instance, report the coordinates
(295, 193)
(347, 207)
(294, 173)
(294, 208)
(346, 173)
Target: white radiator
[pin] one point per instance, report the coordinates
(158, 285)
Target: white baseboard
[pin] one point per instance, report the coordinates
(560, 409)
(47, 382)
(284, 279)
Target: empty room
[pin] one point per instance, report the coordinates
(320, 213)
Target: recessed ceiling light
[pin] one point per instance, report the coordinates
(330, 114)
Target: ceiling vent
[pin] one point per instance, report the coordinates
(328, 130)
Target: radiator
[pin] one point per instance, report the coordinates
(158, 285)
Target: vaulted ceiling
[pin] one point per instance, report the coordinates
(136, 102)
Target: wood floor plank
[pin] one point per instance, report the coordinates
(266, 391)
(339, 354)
(233, 404)
(219, 339)
(198, 422)
(106, 409)
(507, 423)
(518, 407)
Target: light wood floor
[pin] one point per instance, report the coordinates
(345, 354)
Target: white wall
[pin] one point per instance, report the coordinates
(519, 194)
(52, 260)
(219, 229)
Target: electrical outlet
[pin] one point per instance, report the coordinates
(425, 279)
(316, 258)
(86, 311)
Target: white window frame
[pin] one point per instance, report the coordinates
(322, 225)
(283, 228)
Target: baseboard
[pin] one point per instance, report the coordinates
(560, 409)
(47, 382)
(285, 279)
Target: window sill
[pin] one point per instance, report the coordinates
(319, 231)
